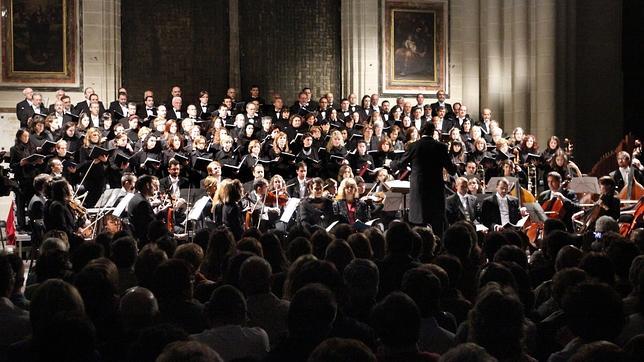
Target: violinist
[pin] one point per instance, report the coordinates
(61, 212)
(347, 207)
(210, 184)
(568, 204)
(278, 194)
(258, 214)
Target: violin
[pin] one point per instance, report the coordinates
(280, 199)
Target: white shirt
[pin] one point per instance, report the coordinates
(417, 123)
(504, 210)
(464, 203)
(302, 184)
(175, 185)
(625, 171)
(96, 121)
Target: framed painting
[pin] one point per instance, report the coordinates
(414, 52)
(40, 42)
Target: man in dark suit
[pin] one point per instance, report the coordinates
(625, 172)
(59, 95)
(254, 96)
(440, 103)
(118, 108)
(27, 108)
(90, 97)
(555, 192)
(175, 91)
(428, 158)
(500, 208)
(461, 205)
(204, 105)
(139, 209)
(302, 106)
(173, 183)
(147, 109)
(297, 186)
(24, 104)
(417, 119)
(175, 111)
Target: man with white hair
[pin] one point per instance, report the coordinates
(32, 104)
(175, 111)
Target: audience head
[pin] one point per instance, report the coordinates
(361, 278)
(255, 276)
(396, 321)
(227, 306)
(312, 312)
(188, 351)
(594, 312)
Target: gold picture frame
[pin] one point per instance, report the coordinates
(415, 50)
(40, 42)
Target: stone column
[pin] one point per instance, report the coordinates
(234, 72)
(544, 36)
(101, 41)
(360, 26)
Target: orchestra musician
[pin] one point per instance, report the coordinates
(569, 203)
(461, 205)
(63, 213)
(625, 171)
(347, 207)
(316, 209)
(257, 213)
(608, 204)
(500, 209)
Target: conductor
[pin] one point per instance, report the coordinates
(427, 157)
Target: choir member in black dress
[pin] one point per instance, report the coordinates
(148, 159)
(24, 172)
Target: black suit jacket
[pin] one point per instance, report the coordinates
(294, 188)
(491, 215)
(455, 211)
(115, 108)
(84, 107)
(428, 157)
(24, 111)
(434, 106)
(165, 184)
(140, 214)
(173, 115)
(619, 180)
(142, 112)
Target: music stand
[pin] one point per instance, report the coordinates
(584, 184)
(401, 187)
(536, 212)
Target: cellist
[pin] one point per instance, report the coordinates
(560, 202)
(608, 204)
